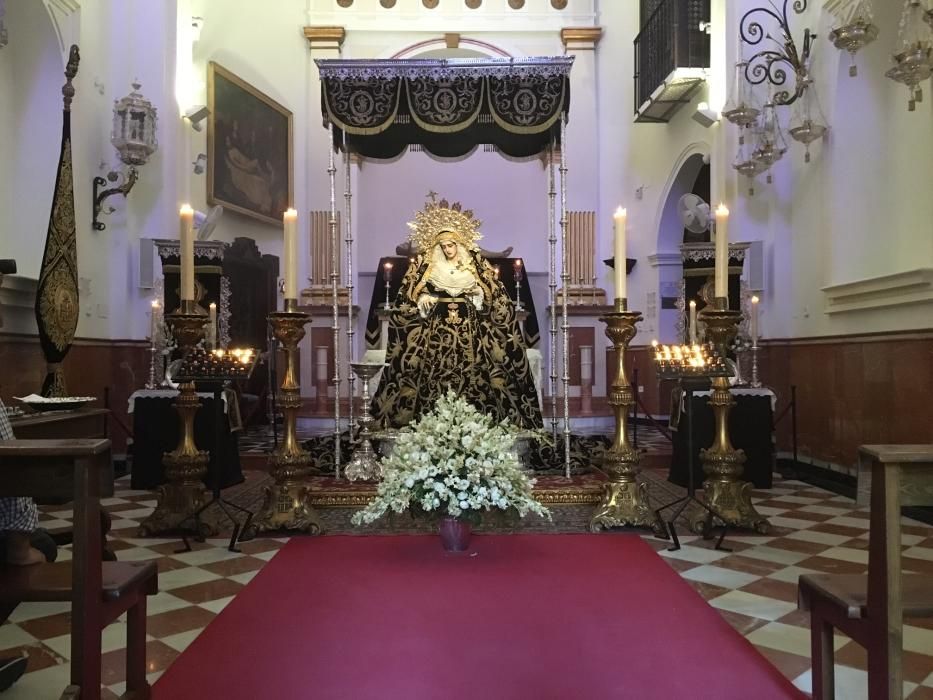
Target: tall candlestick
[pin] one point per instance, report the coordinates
(693, 322)
(518, 284)
(387, 277)
(154, 322)
(753, 321)
(186, 244)
(619, 263)
(722, 251)
(290, 225)
(212, 326)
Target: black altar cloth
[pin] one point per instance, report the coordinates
(155, 431)
(750, 429)
(400, 267)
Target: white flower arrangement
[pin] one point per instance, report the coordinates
(453, 462)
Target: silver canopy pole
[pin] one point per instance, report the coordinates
(552, 292)
(348, 241)
(565, 281)
(335, 325)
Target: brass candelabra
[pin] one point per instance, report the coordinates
(186, 465)
(723, 490)
(625, 499)
(287, 504)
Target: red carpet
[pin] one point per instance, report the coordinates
(528, 616)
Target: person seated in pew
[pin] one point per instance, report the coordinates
(19, 517)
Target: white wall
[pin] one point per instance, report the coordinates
(859, 210)
(268, 51)
(118, 42)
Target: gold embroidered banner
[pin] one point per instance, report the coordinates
(57, 295)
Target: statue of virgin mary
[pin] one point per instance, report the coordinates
(453, 327)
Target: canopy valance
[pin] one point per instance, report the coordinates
(449, 106)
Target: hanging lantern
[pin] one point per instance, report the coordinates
(746, 165)
(856, 33)
(134, 128)
(741, 107)
(913, 63)
(808, 123)
(134, 137)
(771, 145)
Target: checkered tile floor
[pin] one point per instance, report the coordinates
(754, 588)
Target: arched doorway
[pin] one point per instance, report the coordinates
(690, 175)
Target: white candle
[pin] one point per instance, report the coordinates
(212, 328)
(186, 238)
(693, 322)
(154, 321)
(753, 322)
(290, 224)
(619, 264)
(722, 251)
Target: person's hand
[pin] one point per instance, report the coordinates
(478, 296)
(425, 303)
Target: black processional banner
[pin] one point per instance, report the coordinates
(57, 294)
(379, 108)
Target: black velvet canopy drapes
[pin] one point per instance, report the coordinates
(449, 106)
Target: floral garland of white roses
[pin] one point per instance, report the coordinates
(453, 462)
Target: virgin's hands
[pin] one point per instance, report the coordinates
(477, 297)
(425, 304)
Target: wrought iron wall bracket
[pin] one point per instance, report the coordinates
(129, 179)
(768, 64)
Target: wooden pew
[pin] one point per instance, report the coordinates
(870, 609)
(100, 592)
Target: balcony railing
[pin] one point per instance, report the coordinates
(671, 58)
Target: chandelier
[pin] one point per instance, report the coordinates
(913, 62)
(857, 31)
(781, 55)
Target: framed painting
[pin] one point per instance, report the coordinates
(249, 148)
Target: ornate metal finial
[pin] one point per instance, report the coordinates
(71, 70)
(439, 218)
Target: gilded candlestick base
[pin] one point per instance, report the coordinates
(186, 465)
(181, 497)
(625, 500)
(723, 490)
(287, 504)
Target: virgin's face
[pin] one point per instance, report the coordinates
(450, 249)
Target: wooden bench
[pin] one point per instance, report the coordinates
(100, 592)
(870, 609)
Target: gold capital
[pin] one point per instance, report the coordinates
(325, 37)
(580, 37)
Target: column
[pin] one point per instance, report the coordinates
(323, 42)
(583, 127)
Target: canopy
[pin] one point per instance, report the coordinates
(449, 106)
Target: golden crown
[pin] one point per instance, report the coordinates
(439, 218)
